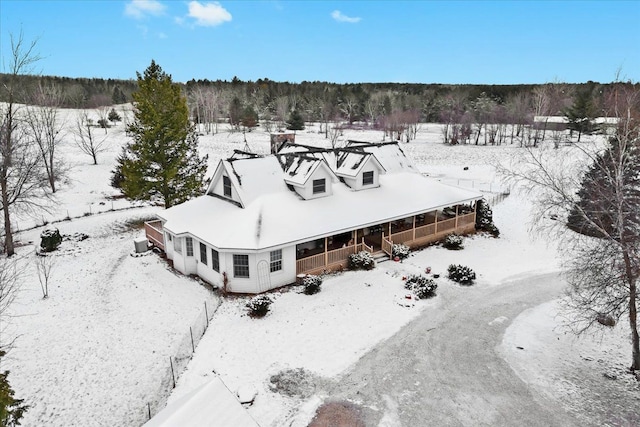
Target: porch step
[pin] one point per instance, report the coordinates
(381, 257)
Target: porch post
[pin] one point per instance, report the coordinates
(326, 254)
(435, 224)
(456, 217)
(414, 228)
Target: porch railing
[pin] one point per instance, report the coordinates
(154, 234)
(414, 237)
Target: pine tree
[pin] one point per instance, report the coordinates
(581, 114)
(295, 122)
(11, 409)
(162, 161)
(249, 118)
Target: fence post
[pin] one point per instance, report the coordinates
(149, 409)
(206, 313)
(193, 347)
(173, 376)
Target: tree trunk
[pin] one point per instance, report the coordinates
(8, 235)
(635, 340)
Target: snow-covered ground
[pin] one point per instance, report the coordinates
(96, 351)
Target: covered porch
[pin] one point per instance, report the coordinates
(332, 253)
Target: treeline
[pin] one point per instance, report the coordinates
(392, 106)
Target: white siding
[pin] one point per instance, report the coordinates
(306, 192)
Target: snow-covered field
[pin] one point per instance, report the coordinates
(96, 351)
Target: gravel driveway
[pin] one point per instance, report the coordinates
(444, 369)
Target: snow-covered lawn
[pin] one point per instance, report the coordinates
(97, 350)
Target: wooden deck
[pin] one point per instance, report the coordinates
(153, 231)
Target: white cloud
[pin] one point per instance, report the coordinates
(138, 9)
(340, 17)
(208, 14)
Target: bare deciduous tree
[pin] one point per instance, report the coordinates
(45, 129)
(10, 279)
(44, 267)
(22, 186)
(603, 253)
(85, 138)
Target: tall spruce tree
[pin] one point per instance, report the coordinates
(162, 161)
(581, 114)
(295, 122)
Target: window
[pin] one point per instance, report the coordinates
(169, 237)
(226, 185)
(276, 260)
(241, 266)
(215, 260)
(318, 186)
(177, 245)
(189, 241)
(203, 253)
(367, 178)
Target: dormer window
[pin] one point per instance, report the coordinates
(319, 186)
(367, 178)
(226, 185)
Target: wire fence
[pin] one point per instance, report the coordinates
(178, 362)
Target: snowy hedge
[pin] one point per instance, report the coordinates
(363, 260)
(453, 242)
(484, 219)
(461, 274)
(311, 284)
(50, 239)
(259, 305)
(401, 251)
(421, 286)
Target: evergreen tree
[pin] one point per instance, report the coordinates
(581, 114)
(162, 161)
(249, 118)
(11, 409)
(114, 116)
(235, 112)
(295, 122)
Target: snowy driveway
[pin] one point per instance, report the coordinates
(444, 368)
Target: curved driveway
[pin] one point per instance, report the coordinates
(444, 369)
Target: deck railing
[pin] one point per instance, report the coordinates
(387, 246)
(153, 231)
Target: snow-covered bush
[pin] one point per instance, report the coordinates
(363, 260)
(259, 305)
(311, 284)
(399, 250)
(484, 219)
(421, 286)
(50, 239)
(461, 274)
(453, 242)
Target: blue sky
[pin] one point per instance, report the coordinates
(484, 42)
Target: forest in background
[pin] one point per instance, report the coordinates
(467, 111)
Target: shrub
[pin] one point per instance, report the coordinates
(453, 242)
(421, 286)
(399, 250)
(311, 284)
(484, 219)
(363, 260)
(104, 124)
(50, 239)
(259, 305)
(114, 116)
(461, 274)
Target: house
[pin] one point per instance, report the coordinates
(560, 123)
(264, 220)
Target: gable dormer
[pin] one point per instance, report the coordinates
(225, 183)
(358, 169)
(309, 176)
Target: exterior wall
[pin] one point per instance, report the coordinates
(306, 192)
(260, 280)
(356, 183)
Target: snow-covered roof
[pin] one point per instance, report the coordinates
(212, 404)
(298, 168)
(282, 218)
(350, 163)
(390, 155)
(254, 177)
(565, 120)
